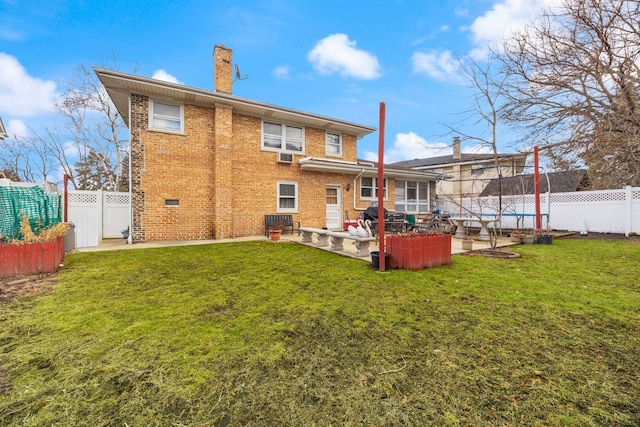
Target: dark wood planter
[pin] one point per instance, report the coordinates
(545, 239)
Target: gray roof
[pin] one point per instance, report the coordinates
(561, 182)
(440, 161)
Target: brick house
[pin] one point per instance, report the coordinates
(210, 165)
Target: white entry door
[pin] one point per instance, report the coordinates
(334, 207)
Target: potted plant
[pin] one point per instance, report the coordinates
(516, 236)
(275, 232)
(467, 244)
(528, 238)
(544, 238)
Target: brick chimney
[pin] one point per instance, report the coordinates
(222, 69)
(456, 148)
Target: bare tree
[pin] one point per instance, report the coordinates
(25, 159)
(574, 84)
(484, 111)
(95, 128)
(88, 133)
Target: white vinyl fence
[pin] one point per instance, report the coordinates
(605, 211)
(97, 215)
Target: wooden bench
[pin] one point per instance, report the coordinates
(284, 221)
(337, 239)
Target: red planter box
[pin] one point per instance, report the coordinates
(418, 251)
(30, 258)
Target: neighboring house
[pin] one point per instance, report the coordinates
(560, 182)
(3, 131)
(465, 174)
(207, 164)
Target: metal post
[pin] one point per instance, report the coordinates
(381, 218)
(536, 183)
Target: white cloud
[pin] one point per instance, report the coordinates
(438, 65)
(498, 23)
(20, 94)
(165, 77)
(17, 128)
(337, 54)
(281, 73)
(409, 146)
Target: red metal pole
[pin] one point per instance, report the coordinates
(66, 197)
(381, 187)
(536, 183)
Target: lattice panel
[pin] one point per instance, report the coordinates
(635, 195)
(117, 199)
(82, 198)
(582, 197)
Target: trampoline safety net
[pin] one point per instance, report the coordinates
(42, 209)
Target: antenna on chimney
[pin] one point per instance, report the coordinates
(238, 74)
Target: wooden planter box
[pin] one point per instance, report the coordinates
(418, 251)
(30, 258)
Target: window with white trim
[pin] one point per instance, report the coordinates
(334, 144)
(412, 196)
(166, 116)
(369, 187)
(287, 196)
(281, 137)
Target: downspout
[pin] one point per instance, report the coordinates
(355, 188)
(130, 236)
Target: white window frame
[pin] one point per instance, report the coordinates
(153, 115)
(283, 138)
(329, 143)
(402, 201)
(295, 197)
(374, 187)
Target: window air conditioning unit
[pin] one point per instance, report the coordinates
(285, 158)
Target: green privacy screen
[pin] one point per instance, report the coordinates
(42, 209)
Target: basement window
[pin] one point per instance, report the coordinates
(171, 202)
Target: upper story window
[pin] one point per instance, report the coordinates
(334, 145)
(279, 137)
(369, 187)
(166, 116)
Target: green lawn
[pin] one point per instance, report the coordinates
(266, 334)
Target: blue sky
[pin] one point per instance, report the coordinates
(335, 58)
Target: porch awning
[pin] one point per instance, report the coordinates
(364, 168)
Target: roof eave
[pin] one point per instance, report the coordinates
(121, 85)
(366, 169)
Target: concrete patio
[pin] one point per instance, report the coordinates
(349, 249)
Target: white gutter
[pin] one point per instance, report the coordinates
(339, 166)
(355, 186)
(130, 236)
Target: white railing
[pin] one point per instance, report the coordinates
(604, 211)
